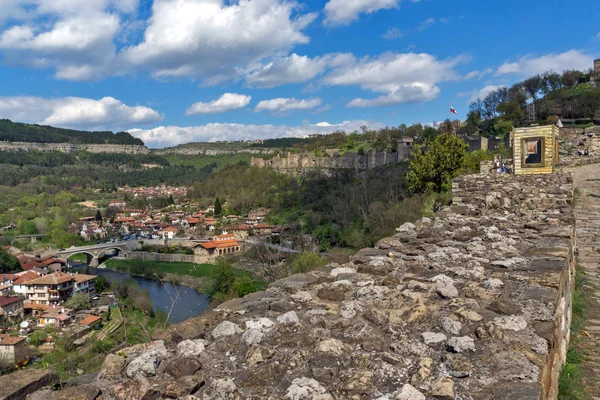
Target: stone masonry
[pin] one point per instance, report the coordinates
(471, 305)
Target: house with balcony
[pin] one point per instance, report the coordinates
(11, 307)
(84, 284)
(50, 289)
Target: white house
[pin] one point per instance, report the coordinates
(84, 284)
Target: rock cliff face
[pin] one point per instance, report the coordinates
(70, 148)
(473, 304)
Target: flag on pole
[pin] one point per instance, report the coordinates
(453, 111)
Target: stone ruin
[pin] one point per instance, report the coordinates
(298, 164)
(474, 304)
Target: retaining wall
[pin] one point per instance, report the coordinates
(473, 304)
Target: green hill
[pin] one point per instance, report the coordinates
(19, 132)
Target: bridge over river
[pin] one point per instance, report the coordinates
(95, 252)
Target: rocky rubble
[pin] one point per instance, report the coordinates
(462, 306)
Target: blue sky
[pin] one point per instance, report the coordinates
(176, 71)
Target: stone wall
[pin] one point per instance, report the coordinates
(70, 148)
(513, 193)
(150, 256)
(571, 139)
(191, 151)
(473, 304)
(297, 164)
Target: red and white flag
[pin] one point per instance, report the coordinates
(453, 111)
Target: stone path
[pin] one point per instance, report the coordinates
(587, 212)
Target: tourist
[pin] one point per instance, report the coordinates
(586, 152)
(579, 152)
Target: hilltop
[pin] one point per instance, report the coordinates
(32, 133)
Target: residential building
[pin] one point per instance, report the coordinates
(168, 232)
(50, 289)
(84, 284)
(117, 204)
(19, 286)
(5, 289)
(12, 348)
(220, 245)
(90, 321)
(11, 307)
(241, 232)
(57, 316)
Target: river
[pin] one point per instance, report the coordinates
(190, 304)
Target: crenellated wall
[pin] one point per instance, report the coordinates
(472, 304)
(298, 164)
(70, 148)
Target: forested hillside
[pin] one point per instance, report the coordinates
(19, 132)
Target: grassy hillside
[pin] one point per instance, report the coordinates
(19, 132)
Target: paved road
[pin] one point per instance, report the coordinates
(280, 249)
(587, 213)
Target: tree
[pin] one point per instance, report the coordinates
(101, 284)
(8, 262)
(306, 262)
(533, 86)
(171, 200)
(218, 207)
(78, 302)
(433, 170)
(223, 276)
(98, 216)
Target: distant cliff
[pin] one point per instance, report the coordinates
(70, 148)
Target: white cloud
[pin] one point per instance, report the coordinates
(426, 24)
(482, 93)
(392, 33)
(292, 69)
(411, 93)
(530, 64)
(74, 37)
(478, 74)
(227, 102)
(216, 40)
(213, 40)
(76, 112)
(404, 78)
(342, 12)
(282, 105)
(163, 136)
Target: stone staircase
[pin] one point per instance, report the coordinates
(587, 213)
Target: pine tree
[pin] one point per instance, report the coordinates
(171, 200)
(98, 216)
(218, 207)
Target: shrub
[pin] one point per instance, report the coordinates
(306, 262)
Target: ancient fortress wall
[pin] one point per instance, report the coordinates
(70, 148)
(297, 164)
(211, 152)
(472, 304)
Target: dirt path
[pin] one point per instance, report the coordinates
(587, 212)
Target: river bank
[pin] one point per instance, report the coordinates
(199, 277)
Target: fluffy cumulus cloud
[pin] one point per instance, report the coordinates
(213, 40)
(227, 102)
(341, 12)
(216, 39)
(164, 136)
(76, 112)
(292, 69)
(283, 105)
(74, 37)
(531, 64)
(402, 78)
